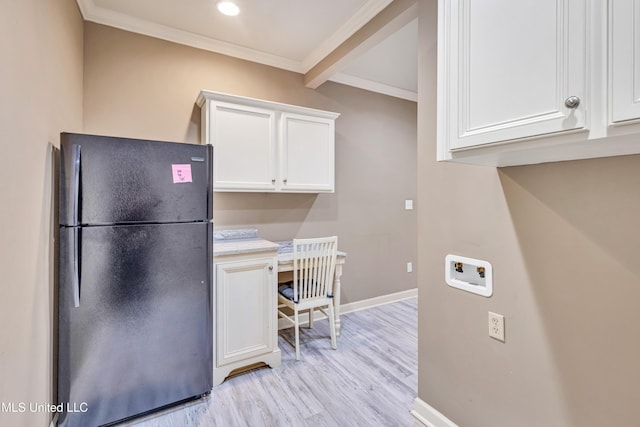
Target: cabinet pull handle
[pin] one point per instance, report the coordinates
(572, 102)
(273, 180)
(76, 184)
(76, 268)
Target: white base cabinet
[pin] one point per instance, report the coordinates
(262, 146)
(537, 81)
(245, 317)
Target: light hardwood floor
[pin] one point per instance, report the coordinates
(370, 380)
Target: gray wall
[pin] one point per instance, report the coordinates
(563, 239)
(40, 95)
(138, 86)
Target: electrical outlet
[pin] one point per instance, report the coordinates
(409, 267)
(496, 326)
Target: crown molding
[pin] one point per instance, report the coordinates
(373, 86)
(99, 15)
(91, 12)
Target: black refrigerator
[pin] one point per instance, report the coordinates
(135, 277)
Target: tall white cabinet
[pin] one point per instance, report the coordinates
(263, 146)
(534, 81)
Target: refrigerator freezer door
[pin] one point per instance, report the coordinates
(141, 337)
(122, 180)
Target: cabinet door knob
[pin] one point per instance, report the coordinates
(271, 267)
(572, 102)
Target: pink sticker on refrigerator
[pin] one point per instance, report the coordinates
(181, 173)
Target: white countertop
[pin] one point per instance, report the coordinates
(285, 252)
(242, 246)
(245, 241)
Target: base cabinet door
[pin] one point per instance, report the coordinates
(246, 314)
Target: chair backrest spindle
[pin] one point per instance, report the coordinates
(313, 267)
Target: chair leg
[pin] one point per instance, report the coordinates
(297, 329)
(332, 326)
(311, 318)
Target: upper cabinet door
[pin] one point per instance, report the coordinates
(624, 57)
(244, 140)
(510, 70)
(307, 160)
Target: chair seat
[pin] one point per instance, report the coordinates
(286, 290)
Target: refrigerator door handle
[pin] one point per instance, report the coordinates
(76, 268)
(76, 183)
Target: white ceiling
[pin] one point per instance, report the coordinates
(294, 35)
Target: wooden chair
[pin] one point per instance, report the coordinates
(314, 263)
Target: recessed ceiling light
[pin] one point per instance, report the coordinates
(228, 8)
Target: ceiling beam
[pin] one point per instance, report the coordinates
(389, 20)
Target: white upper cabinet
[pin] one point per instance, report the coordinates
(511, 66)
(244, 139)
(263, 146)
(532, 81)
(624, 48)
(307, 153)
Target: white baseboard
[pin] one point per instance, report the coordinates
(429, 416)
(356, 306)
(376, 301)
